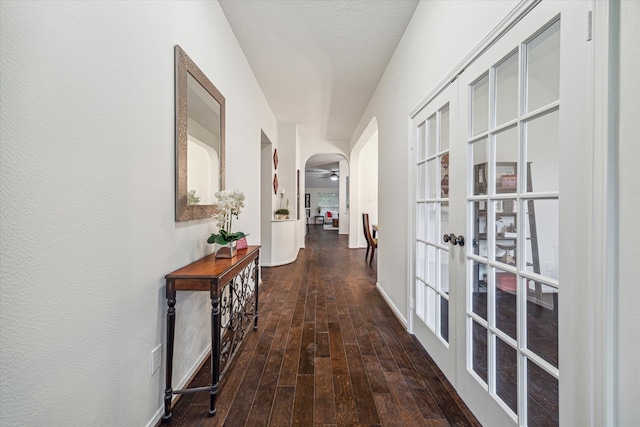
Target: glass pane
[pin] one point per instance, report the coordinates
(420, 299)
(432, 138)
(421, 142)
(444, 319)
(480, 175)
(479, 242)
(507, 90)
(431, 264)
(505, 231)
(444, 175)
(507, 374)
(480, 106)
(444, 221)
(421, 221)
(479, 337)
(432, 236)
(479, 293)
(542, 397)
(421, 250)
(542, 153)
(506, 176)
(543, 68)
(431, 308)
(506, 160)
(444, 270)
(421, 185)
(542, 321)
(505, 285)
(542, 219)
(444, 128)
(432, 184)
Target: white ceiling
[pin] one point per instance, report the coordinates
(318, 62)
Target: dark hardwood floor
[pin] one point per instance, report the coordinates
(328, 352)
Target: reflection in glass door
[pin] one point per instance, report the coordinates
(512, 262)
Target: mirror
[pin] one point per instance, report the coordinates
(200, 145)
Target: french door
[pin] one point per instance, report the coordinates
(437, 193)
(491, 153)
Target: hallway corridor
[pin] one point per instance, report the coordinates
(328, 352)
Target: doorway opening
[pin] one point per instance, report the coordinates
(326, 192)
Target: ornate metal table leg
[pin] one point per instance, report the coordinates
(215, 353)
(171, 326)
(255, 290)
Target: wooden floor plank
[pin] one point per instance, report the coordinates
(324, 398)
(261, 408)
(307, 349)
(365, 404)
(282, 407)
(346, 414)
(375, 374)
(405, 403)
(289, 372)
(303, 405)
(387, 410)
(336, 348)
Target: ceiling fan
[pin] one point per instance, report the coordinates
(332, 174)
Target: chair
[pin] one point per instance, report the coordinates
(328, 219)
(371, 242)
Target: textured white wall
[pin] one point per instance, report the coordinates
(87, 201)
(439, 36)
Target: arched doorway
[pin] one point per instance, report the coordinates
(326, 192)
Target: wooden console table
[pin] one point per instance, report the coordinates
(234, 304)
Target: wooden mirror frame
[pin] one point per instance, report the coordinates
(184, 66)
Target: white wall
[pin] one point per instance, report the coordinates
(343, 225)
(287, 155)
(368, 185)
(427, 52)
(283, 243)
(267, 197)
(87, 201)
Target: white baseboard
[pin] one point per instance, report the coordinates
(279, 263)
(392, 306)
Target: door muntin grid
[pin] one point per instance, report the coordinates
(432, 222)
(512, 203)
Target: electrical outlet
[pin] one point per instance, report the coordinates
(156, 359)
